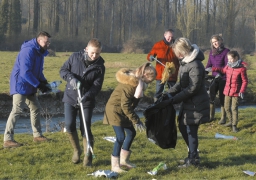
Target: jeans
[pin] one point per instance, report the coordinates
(231, 108)
(123, 141)
(160, 87)
(70, 119)
(18, 103)
(189, 134)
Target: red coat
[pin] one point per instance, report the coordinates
(236, 80)
(164, 53)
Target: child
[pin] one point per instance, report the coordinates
(119, 111)
(86, 67)
(236, 83)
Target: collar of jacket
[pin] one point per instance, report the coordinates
(191, 56)
(126, 76)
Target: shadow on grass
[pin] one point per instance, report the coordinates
(228, 161)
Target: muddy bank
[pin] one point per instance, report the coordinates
(52, 104)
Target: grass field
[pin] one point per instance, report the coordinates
(220, 158)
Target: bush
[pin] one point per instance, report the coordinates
(136, 45)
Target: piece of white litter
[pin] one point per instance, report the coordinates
(106, 173)
(250, 173)
(111, 139)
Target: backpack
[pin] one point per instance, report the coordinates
(161, 124)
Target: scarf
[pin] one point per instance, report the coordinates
(139, 89)
(218, 50)
(235, 64)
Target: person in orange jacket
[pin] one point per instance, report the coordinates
(163, 52)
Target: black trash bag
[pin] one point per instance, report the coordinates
(161, 124)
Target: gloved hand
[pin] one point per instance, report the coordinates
(151, 58)
(44, 87)
(139, 126)
(82, 99)
(209, 69)
(217, 75)
(74, 82)
(241, 95)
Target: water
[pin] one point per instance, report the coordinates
(23, 124)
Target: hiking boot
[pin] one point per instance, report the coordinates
(11, 143)
(229, 124)
(40, 139)
(234, 128)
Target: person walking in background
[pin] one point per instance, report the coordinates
(119, 111)
(26, 77)
(235, 87)
(162, 50)
(87, 68)
(218, 58)
(190, 91)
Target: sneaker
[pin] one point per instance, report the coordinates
(11, 143)
(40, 139)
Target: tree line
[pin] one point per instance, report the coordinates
(120, 22)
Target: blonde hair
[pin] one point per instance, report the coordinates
(94, 42)
(182, 47)
(146, 71)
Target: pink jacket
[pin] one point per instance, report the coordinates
(236, 79)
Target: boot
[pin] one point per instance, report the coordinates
(115, 164)
(212, 111)
(124, 159)
(193, 159)
(73, 137)
(184, 161)
(229, 124)
(87, 157)
(234, 128)
(223, 116)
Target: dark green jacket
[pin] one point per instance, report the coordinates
(120, 107)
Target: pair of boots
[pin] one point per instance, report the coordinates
(223, 121)
(73, 137)
(123, 160)
(192, 159)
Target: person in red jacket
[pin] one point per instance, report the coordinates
(236, 83)
(162, 50)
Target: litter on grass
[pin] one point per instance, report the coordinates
(111, 139)
(106, 173)
(161, 165)
(250, 173)
(222, 136)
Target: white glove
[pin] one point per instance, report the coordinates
(241, 95)
(209, 69)
(74, 83)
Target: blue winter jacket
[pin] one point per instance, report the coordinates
(27, 71)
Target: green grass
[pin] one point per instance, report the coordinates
(220, 158)
(113, 62)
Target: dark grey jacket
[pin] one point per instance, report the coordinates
(91, 78)
(190, 90)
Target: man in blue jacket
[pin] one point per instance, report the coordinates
(26, 77)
